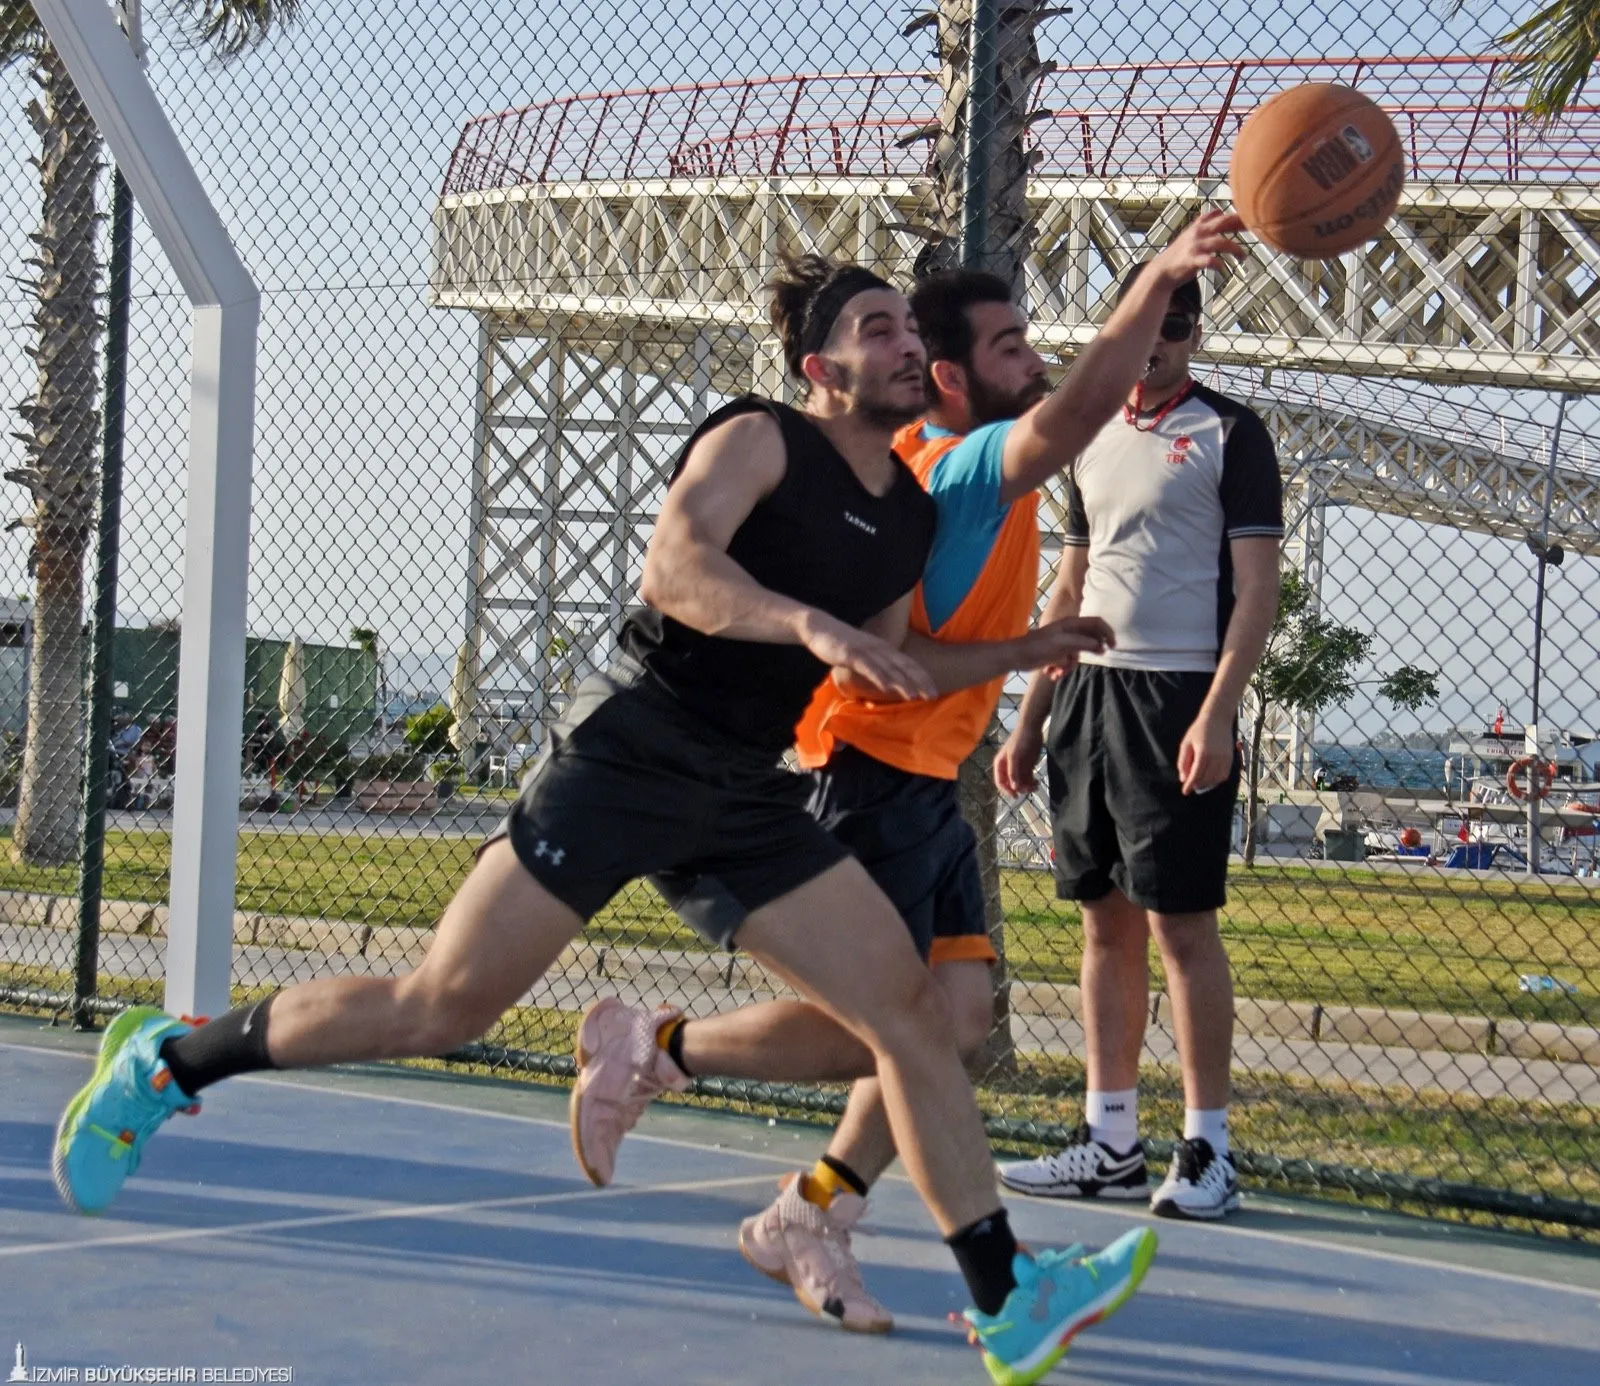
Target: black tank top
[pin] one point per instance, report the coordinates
(821, 538)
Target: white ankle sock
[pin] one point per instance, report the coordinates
(1113, 1118)
(1207, 1125)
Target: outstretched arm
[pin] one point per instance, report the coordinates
(956, 665)
(1047, 438)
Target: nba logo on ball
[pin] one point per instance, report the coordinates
(1317, 170)
(1357, 142)
(1333, 162)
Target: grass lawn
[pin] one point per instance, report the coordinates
(1528, 1147)
(1358, 937)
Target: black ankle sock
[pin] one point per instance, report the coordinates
(234, 1043)
(855, 1181)
(675, 1047)
(984, 1251)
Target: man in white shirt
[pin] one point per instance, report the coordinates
(1174, 527)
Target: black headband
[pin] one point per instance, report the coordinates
(828, 302)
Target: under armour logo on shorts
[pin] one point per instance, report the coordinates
(544, 849)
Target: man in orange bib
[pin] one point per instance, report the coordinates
(886, 768)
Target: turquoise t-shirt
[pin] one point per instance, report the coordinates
(965, 485)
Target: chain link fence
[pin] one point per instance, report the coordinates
(510, 256)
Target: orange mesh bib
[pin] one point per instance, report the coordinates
(933, 737)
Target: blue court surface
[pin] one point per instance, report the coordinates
(370, 1226)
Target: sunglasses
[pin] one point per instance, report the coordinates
(1177, 327)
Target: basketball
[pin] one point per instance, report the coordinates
(1317, 170)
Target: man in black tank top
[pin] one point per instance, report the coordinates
(789, 543)
(823, 535)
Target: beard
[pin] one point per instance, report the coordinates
(990, 405)
(875, 403)
(885, 414)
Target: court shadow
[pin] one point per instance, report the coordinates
(1223, 1345)
(1277, 1273)
(218, 1165)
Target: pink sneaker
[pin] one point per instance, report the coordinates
(809, 1251)
(621, 1070)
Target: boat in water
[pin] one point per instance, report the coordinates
(1490, 779)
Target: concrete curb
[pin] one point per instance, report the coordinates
(1257, 1018)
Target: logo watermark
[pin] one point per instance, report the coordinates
(126, 1372)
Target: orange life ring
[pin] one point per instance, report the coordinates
(1543, 775)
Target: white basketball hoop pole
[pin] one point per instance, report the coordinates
(216, 556)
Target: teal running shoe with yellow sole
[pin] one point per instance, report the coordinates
(1058, 1294)
(102, 1133)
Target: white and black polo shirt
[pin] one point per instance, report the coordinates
(1156, 507)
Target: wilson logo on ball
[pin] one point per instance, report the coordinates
(1375, 206)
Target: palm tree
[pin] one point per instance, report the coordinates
(1562, 41)
(1018, 70)
(62, 420)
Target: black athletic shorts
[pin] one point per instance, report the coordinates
(907, 830)
(633, 784)
(1121, 818)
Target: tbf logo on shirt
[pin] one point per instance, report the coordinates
(1180, 449)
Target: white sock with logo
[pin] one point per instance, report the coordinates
(1207, 1125)
(1113, 1118)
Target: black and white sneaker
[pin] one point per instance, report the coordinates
(1085, 1169)
(1200, 1184)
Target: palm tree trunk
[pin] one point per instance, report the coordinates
(1018, 71)
(980, 804)
(63, 422)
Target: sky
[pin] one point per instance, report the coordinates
(324, 153)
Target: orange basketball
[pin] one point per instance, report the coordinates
(1317, 170)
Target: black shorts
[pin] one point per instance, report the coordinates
(633, 784)
(907, 830)
(1121, 818)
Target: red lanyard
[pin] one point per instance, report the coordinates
(1130, 413)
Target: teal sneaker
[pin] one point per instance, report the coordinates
(102, 1133)
(1058, 1294)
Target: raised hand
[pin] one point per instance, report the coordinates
(1201, 245)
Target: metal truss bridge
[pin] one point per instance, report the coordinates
(615, 247)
